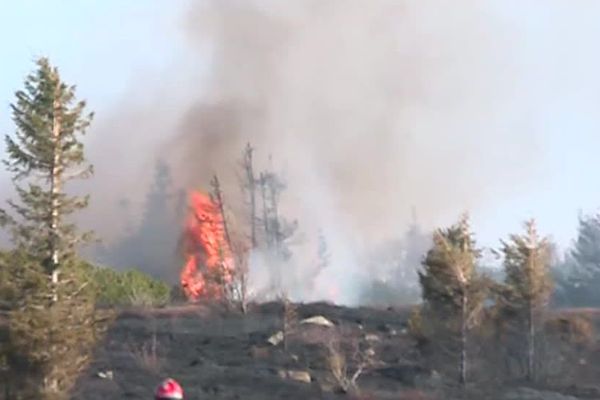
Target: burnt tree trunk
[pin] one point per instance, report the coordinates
(218, 194)
(251, 187)
(265, 209)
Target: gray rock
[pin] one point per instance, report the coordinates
(105, 375)
(317, 320)
(294, 375)
(276, 338)
(371, 337)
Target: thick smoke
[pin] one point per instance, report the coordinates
(367, 108)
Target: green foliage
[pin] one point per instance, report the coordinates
(9, 291)
(527, 289)
(52, 321)
(21, 275)
(586, 252)
(47, 343)
(128, 288)
(453, 291)
(46, 151)
(417, 328)
(526, 263)
(449, 275)
(55, 338)
(577, 277)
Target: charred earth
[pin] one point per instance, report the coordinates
(220, 354)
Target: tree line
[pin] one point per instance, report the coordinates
(468, 317)
(50, 303)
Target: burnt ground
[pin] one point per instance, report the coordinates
(217, 354)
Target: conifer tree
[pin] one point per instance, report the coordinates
(586, 251)
(577, 277)
(52, 324)
(528, 284)
(46, 151)
(156, 233)
(453, 292)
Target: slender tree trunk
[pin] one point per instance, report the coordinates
(243, 287)
(216, 197)
(276, 234)
(531, 345)
(249, 167)
(530, 317)
(263, 192)
(275, 210)
(463, 341)
(220, 203)
(55, 189)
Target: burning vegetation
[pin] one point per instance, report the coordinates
(468, 331)
(209, 262)
(217, 257)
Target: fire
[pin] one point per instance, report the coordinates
(209, 263)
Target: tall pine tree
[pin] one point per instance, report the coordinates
(453, 292)
(528, 285)
(52, 324)
(46, 152)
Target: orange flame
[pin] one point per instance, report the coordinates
(209, 263)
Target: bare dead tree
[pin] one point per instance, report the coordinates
(249, 186)
(265, 208)
(217, 197)
(236, 289)
(278, 229)
(240, 278)
(348, 363)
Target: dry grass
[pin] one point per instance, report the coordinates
(572, 329)
(147, 356)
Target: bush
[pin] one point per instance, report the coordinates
(567, 341)
(127, 288)
(571, 329)
(417, 329)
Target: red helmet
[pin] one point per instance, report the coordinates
(169, 389)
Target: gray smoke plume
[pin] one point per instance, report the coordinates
(367, 107)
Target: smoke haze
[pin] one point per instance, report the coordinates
(367, 107)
